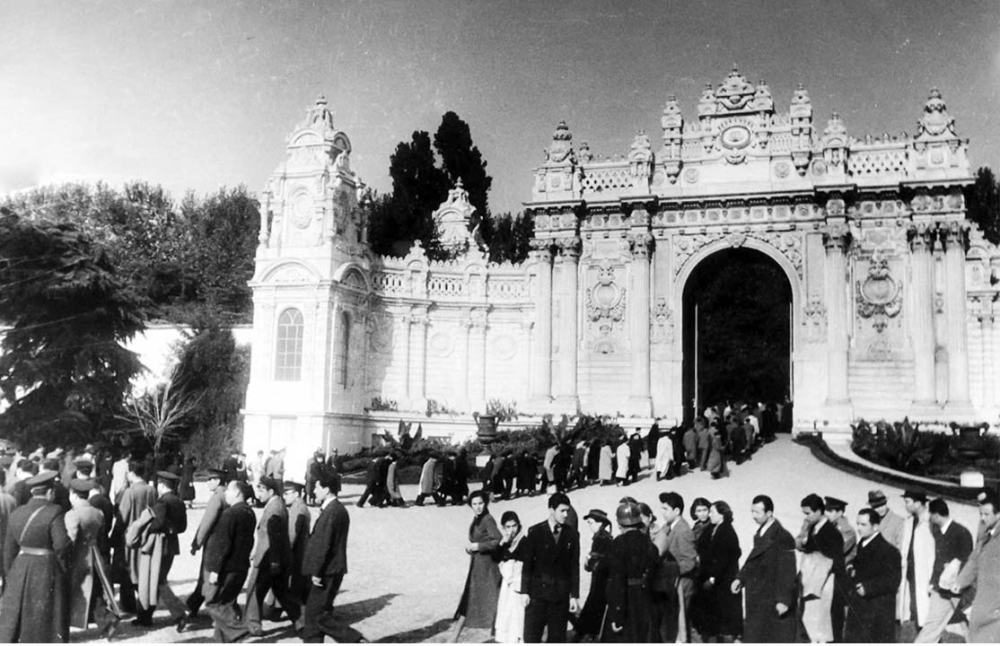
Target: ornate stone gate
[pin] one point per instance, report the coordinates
(894, 296)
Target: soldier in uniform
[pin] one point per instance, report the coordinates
(35, 605)
(271, 558)
(299, 519)
(632, 613)
(213, 511)
(160, 548)
(90, 585)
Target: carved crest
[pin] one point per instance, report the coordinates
(879, 294)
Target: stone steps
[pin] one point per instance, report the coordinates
(880, 389)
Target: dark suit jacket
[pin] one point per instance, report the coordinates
(299, 518)
(769, 578)
(551, 571)
(829, 542)
(213, 511)
(326, 551)
(229, 546)
(955, 543)
(878, 568)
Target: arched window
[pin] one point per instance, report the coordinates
(288, 354)
(343, 348)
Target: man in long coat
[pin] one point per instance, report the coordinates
(227, 560)
(325, 562)
(917, 560)
(213, 512)
(158, 552)
(299, 519)
(875, 574)
(90, 587)
(271, 558)
(980, 573)
(136, 498)
(35, 604)
(768, 579)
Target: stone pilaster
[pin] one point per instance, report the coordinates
(922, 323)
(541, 340)
(985, 316)
(477, 351)
(464, 404)
(836, 240)
(418, 361)
(954, 236)
(639, 401)
(567, 263)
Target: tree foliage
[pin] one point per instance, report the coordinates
(461, 159)
(982, 199)
(63, 369)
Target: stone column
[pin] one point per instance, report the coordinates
(985, 316)
(567, 263)
(418, 361)
(541, 342)
(925, 380)
(953, 238)
(640, 402)
(836, 240)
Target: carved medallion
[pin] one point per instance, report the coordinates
(879, 295)
(302, 211)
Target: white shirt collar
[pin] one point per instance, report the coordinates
(864, 542)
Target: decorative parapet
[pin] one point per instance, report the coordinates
(739, 139)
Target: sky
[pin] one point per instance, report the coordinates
(198, 95)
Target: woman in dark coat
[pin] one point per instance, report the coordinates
(721, 610)
(594, 461)
(478, 607)
(589, 622)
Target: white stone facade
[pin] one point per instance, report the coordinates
(893, 304)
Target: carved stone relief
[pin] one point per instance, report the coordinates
(814, 320)
(605, 309)
(788, 243)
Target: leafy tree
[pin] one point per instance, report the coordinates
(63, 369)
(461, 159)
(982, 199)
(511, 238)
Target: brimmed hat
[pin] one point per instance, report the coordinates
(876, 498)
(599, 515)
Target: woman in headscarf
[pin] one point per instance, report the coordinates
(509, 628)
(721, 616)
(478, 606)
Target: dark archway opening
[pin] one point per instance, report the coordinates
(737, 331)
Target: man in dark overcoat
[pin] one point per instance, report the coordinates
(875, 575)
(299, 519)
(213, 512)
(227, 561)
(325, 562)
(632, 616)
(271, 558)
(35, 605)
(374, 483)
(768, 579)
(551, 573)
(821, 536)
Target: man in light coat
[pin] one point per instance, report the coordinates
(673, 585)
(980, 573)
(139, 496)
(890, 523)
(917, 554)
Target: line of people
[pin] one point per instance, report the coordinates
(890, 579)
(66, 547)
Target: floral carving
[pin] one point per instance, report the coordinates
(879, 294)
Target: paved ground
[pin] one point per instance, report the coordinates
(407, 566)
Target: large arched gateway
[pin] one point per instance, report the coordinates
(892, 295)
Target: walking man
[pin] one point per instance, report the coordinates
(952, 547)
(227, 560)
(890, 524)
(157, 556)
(213, 511)
(271, 558)
(875, 575)
(821, 568)
(137, 497)
(325, 562)
(551, 574)
(917, 554)
(299, 519)
(980, 572)
(768, 579)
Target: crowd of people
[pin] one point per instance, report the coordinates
(84, 545)
(886, 580)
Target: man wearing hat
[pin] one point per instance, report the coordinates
(631, 615)
(299, 519)
(890, 523)
(835, 509)
(917, 554)
(271, 558)
(90, 585)
(158, 552)
(213, 511)
(35, 604)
